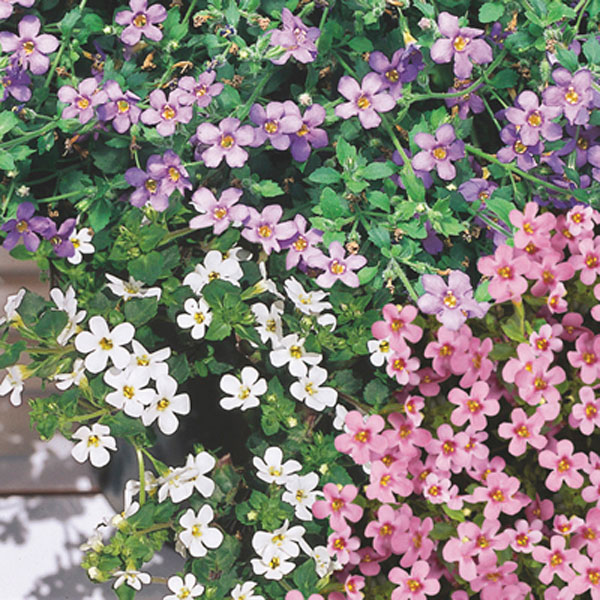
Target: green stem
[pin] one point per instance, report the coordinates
(188, 13)
(322, 23)
(306, 10)
(82, 418)
(390, 131)
(63, 196)
(28, 136)
(140, 459)
(245, 108)
(7, 199)
(407, 284)
(152, 528)
(174, 235)
(580, 8)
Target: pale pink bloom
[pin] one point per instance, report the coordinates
(523, 363)
(352, 587)
(586, 357)
(539, 380)
(564, 525)
(338, 506)
(473, 406)
(439, 490)
(341, 545)
(500, 494)
(549, 271)
(586, 414)
(539, 509)
(587, 260)
(556, 302)
(450, 351)
(415, 585)
(525, 535)
(401, 365)
(572, 327)
(362, 437)
(387, 529)
(588, 534)
(581, 218)
(387, 480)
(506, 270)
(397, 324)
(492, 577)
(405, 435)
(588, 578)
(479, 366)
(522, 431)
(547, 340)
(563, 237)
(369, 562)
(449, 449)
(530, 227)
(591, 493)
(420, 545)
(555, 560)
(564, 465)
(595, 312)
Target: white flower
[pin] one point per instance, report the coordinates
(238, 252)
(10, 308)
(197, 316)
(271, 469)
(100, 344)
(184, 588)
(291, 352)
(133, 579)
(176, 484)
(81, 241)
(269, 321)
(67, 302)
(214, 267)
(75, 377)
(283, 539)
(197, 536)
(308, 390)
(119, 518)
(324, 563)
(165, 404)
(265, 284)
(310, 303)
(132, 487)
(151, 363)
(131, 289)
(244, 394)
(22, 191)
(14, 383)
(379, 350)
(245, 591)
(95, 444)
(300, 493)
(130, 394)
(273, 564)
(198, 466)
(339, 422)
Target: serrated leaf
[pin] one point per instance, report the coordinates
(379, 200)
(325, 175)
(377, 170)
(146, 268)
(332, 205)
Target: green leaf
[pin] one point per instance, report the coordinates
(8, 122)
(267, 189)
(218, 329)
(506, 78)
(324, 175)
(11, 355)
(377, 170)
(490, 12)
(380, 236)
(146, 268)
(93, 22)
(376, 392)
(7, 162)
(366, 274)
(121, 425)
(140, 310)
(414, 186)
(501, 207)
(361, 44)
(232, 14)
(31, 306)
(69, 20)
(591, 49)
(332, 205)
(457, 515)
(568, 59)
(345, 153)
(379, 200)
(51, 324)
(150, 236)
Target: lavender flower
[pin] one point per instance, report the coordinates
(498, 34)
(402, 68)
(141, 20)
(6, 6)
(432, 243)
(217, 213)
(165, 114)
(518, 149)
(81, 100)
(533, 119)
(365, 100)
(438, 152)
(170, 172)
(15, 82)
(264, 228)
(424, 176)
(477, 190)
(460, 44)
(199, 91)
(121, 107)
(302, 245)
(148, 189)
(225, 141)
(60, 238)
(309, 134)
(584, 142)
(468, 102)
(295, 38)
(274, 124)
(338, 266)
(451, 303)
(29, 48)
(573, 93)
(25, 226)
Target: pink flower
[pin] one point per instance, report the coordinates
(402, 365)
(474, 406)
(225, 142)
(491, 577)
(581, 219)
(414, 586)
(352, 587)
(449, 449)
(165, 114)
(540, 509)
(564, 466)
(387, 480)
(555, 560)
(397, 324)
(417, 543)
(586, 414)
(531, 228)
(572, 327)
(506, 270)
(264, 228)
(588, 577)
(586, 357)
(450, 351)
(342, 546)
(405, 435)
(480, 366)
(386, 531)
(556, 302)
(525, 535)
(566, 526)
(362, 437)
(547, 340)
(338, 506)
(500, 493)
(296, 595)
(587, 260)
(439, 490)
(82, 100)
(522, 431)
(337, 266)
(591, 493)
(369, 562)
(217, 213)
(549, 271)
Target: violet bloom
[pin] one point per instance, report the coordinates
(477, 189)
(165, 114)
(60, 238)
(451, 303)
(148, 189)
(295, 38)
(15, 82)
(6, 6)
(573, 93)
(141, 20)
(583, 143)
(170, 172)
(460, 44)
(389, 71)
(338, 266)
(438, 152)
(264, 228)
(225, 141)
(424, 176)
(468, 102)
(217, 213)
(274, 124)
(309, 134)
(516, 148)
(533, 119)
(302, 245)
(199, 91)
(29, 48)
(82, 100)
(25, 226)
(432, 243)
(366, 100)
(120, 108)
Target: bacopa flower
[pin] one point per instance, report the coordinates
(165, 405)
(188, 587)
(506, 272)
(533, 119)
(197, 536)
(217, 213)
(460, 44)
(274, 124)
(573, 94)
(438, 152)
(199, 91)
(295, 38)
(82, 100)
(242, 394)
(16, 82)
(308, 135)
(197, 316)
(264, 228)
(60, 237)
(120, 107)
(564, 465)
(394, 73)
(365, 100)
(415, 585)
(6, 6)
(166, 113)
(272, 469)
(94, 444)
(338, 266)
(141, 20)
(225, 142)
(25, 226)
(29, 48)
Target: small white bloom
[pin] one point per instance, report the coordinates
(10, 308)
(130, 394)
(100, 344)
(271, 468)
(197, 316)
(265, 284)
(214, 267)
(245, 591)
(119, 518)
(176, 484)
(300, 493)
(197, 536)
(284, 539)
(75, 377)
(131, 289)
(308, 390)
(22, 191)
(81, 241)
(132, 487)
(197, 467)
(244, 394)
(339, 422)
(291, 352)
(165, 404)
(184, 588)
(67, 302)
(380, 350)
(14, 383)
(151, 363)
(95, 444)
(310, 303)
(324, 563)
(273, 564)
(133, 579)
(269, 325)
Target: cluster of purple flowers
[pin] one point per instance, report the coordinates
(295, 38)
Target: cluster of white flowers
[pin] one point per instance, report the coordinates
(180, 482)
(14, 380)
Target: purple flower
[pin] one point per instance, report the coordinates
(60, 238)
(141, 20)
(225, 141)
(275, 124)
(573, 93)
(264, 228)
(25, 226)
(451, 303)
(338, 266)
(29, 48)
(517, 149)
(477, 189)
(424, 176)
(6, 6)
(121, 107)
(165, 114)
(584, 142)
(468, 102)
(148, 189)
(296, 38)
(199, 91)
(15, 82)
(497, 34)
(308, 135)
(438, 152)
(460, 44)
(432, 243)
(81, 100)
(170, 172)
(302, 245)
(217, 213)
(366, 100)
(403, 68)
(533, 119)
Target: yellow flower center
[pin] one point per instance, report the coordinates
(274, 563)
(93, 440)
(296, 351)
(199, 317)
(498, 496)
(308, 388)
(413, 585)
(337, 504)
(577, 218)
(162, 404)
(244, 392)
(523, 431)
(219, 213)
(227, 141)
(399, 364)
(183, 593)
(122, 106)
(300, 495)
(460, 43)
(519, 147)
(440, 153)
(339, 544)
(522, 539)
(591, 260)
(563, 465)
(450, 299)
(446, 350)
(140, 20)
(29, 47)
(385, 480)
(505, 272)
(76, 243)
(482, 541)
(106, 344)
(363, 102)
(302, 131)
(589, 358)
(22, 226)
(392, 75)
(385, 530)
(151, 185)
(143, 361)
(200, 91)
(434, 490)
(271, 126)
(483, 195)
(583, 144)
(540, 384)
(535, 119)
(83, 103)
(174, 174)
(128, 391)
(572, 97)
(270, 325)
(527, 228)
(590, 411)
(336, 267)
(362, 436)
(213, 275)
(168, 113)
(265, 231)
(197, 531)
(384, 346)
(594, 576)
(300, 244)
(556, 559)
(547, 277)
(448, 448)
(473, 405)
